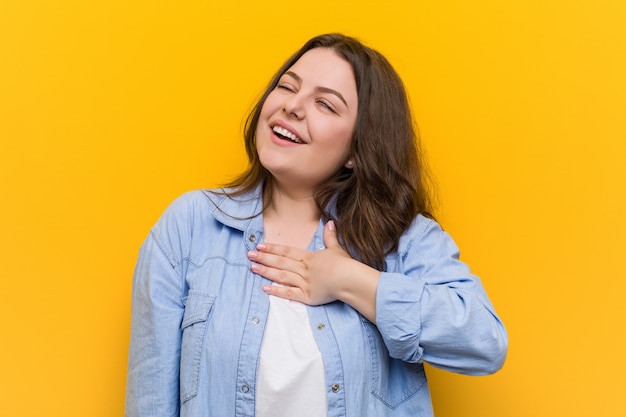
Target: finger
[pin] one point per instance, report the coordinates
(288, 293)
(281, 250)
(279, 276)
(330, 235)
(277, 261)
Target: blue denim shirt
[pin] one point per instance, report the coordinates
(198, 317)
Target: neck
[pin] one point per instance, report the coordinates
(291, 218)
(287, 205)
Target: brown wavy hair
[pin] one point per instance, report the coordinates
(378, 199)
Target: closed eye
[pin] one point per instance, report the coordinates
(325, 104)
(286, 87)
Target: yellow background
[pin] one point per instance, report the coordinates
(109, 109)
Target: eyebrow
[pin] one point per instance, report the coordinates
(322, 89)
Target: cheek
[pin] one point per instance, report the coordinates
(336, 145)
(343, 130)
(267, 110)
(342, 137)
(271, 104)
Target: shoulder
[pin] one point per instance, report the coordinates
(190, 222)
(205, 207)
(426, 235)
(187, 206)
(181, 217)
(192, 204)
(421, 227)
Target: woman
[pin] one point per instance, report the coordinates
(315, 284)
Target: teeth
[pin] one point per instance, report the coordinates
(287, 134)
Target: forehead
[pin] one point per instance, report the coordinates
(323, 67)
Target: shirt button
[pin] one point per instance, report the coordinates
(256, 320)
(245, 389)
(335, 388)
(321, 326)
(320, 246)
(252, 238)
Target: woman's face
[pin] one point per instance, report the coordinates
(306, 123)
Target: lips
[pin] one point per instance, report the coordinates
(286, 134)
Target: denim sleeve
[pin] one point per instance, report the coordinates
(157, 309)
(434, 309)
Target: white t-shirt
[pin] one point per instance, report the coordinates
(291, 380)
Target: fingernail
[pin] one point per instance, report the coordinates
(260, 246)
(252, 254)
(267, 289)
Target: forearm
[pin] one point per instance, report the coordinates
(450, 327)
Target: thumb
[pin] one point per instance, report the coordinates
(330, 235)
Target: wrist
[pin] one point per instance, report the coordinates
(357, 287)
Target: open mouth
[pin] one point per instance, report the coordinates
(285, 134)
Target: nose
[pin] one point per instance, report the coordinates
(294, 106)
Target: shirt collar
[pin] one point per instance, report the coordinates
(235, 211)
(238, 211)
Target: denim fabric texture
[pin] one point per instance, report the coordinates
(198, 317)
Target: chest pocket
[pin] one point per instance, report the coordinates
(198, 306)
(393, 381)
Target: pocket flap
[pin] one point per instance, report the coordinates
(197, 307)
